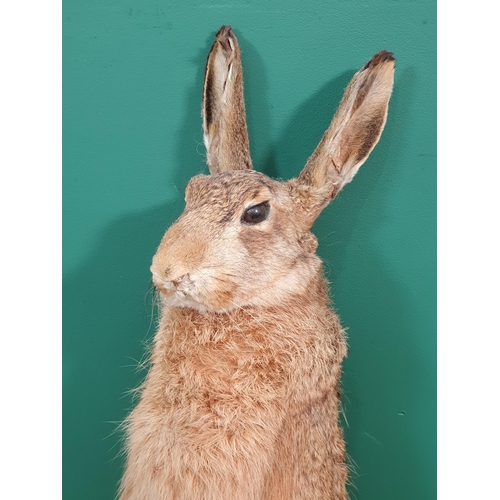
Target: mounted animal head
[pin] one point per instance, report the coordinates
(244, 239)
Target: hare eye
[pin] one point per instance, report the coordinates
(256, 214)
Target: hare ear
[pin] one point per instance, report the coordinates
(355, 128)
(224, 125)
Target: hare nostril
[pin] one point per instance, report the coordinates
(180, 279)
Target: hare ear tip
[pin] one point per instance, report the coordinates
(381, 57)
(225, 31)
(226, 38)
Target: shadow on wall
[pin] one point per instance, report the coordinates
(382, 374)
(109, 320)
(258, 110)
(108, 308)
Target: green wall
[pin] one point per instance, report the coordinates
(132, 79)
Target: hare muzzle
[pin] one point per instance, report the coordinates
(176, 265)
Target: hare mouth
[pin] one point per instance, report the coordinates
(171, 289)
(178, 293)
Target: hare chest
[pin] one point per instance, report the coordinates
(210, 413)
(238, 408)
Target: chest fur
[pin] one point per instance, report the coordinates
(237, 372)
(219, 391)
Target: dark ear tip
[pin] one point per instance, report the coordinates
(223, 36)
(381, 57)
(224, 31)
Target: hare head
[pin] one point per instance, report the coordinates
(244, 239)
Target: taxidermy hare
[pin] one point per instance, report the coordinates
(242, 397)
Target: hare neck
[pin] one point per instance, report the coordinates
(297, 312)
(280, 350)
(295, 326)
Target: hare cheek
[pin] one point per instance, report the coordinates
(216, 291)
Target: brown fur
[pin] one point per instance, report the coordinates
(242, 398)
